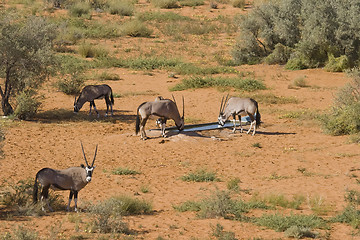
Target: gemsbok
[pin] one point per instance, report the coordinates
(73, 179)
(236, 106)
(163, 108)
(90, 93)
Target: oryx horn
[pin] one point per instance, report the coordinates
(226, 99)
(94, 156)
(222, 100)
(87, 164)
(183, 107)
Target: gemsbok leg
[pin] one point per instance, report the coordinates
(253, 123)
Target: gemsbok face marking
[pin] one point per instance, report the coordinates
(73, 179)
(163, 108)
(236, 106)
(90, 93)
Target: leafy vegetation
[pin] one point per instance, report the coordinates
(124, 171)
(200, 176)
(282, 223)
(108, 213)
(302, 34)
(26, 58)
(342, 118)
(238, 83)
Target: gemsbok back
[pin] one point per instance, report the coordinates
(163, 108)
(73, 179)
(90, 93)
(236, 106)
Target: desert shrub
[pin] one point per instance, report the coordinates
(220, 234)
(200, 176)
(299, 82)
(338, 64)
(299, 232)
(220, 204)
(238, 3)
(281, 223)
(121, 7)
(238, 83)
(191, 3)
(20, 233)
(136, 28)
(189, 27)
(108, 213)
(312, 29)
(270, 98)
(143, 63)
(165, 3)
(233, 184)
(282, 201)
(161, 16)
(108, 76)
(280, 55)
(124, 171)
(342, 118)
(350, 215)
(71, 84)
(79, 9)
(18, 196)
(353, 197)
(87, 50)
(27, 105)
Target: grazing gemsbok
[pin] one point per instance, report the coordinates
(90, 93)
(163, 108)
(236, 106)
(73, 179)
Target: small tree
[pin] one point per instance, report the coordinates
(25, 53)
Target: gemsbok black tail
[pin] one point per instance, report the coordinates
(111, 97)
(35, 189)
(258, 116)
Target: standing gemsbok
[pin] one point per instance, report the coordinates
(73, 179)
(163, 108)
(236, 106)
(90, 93)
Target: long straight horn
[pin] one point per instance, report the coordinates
(94, 156)
(75, 100)
(222, 100)
(87, 164)
(174, 99)
(183, 107)
(226, 99)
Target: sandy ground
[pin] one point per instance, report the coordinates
(287, 145)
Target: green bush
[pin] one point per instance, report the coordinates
(191, 3)
(313, 30)
(350, 216)
(20, 233)
(87, 50)
(80, 9)
(200, 176)
(136, 28)
(27, 105)
(108, 213)
(343, 117)
(121, 7)
(124, 171)
(238, 83)
(71, 84)
(238, 3)
(165, 3)
(280, 55)
(220, 234)
(281, 223)
(338, 64)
